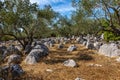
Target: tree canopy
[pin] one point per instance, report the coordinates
(105, 12)
(24, 21)
(21, 19)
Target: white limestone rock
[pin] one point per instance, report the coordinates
(70, 63)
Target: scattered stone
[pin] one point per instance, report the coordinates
(46, 44)
(2, 49)
(65, 42)
(49, 70)
(2, 79)
(97, 45)
(72, 48)
(16, 71)
(118, 59)
(51, 44)
(60, 46)
(98, 65)
(89, 45)
(73, 37)
(95, 65)
(84, 43)
(53, 41)
(102, 36)
(14, 59)
(70, 63)
(11, 50)
(19, 47)
(57, 41)
(78, 40)
(79, 78)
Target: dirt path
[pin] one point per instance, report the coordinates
(91, 66)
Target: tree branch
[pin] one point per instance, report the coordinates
(116, 11)
(3, 34)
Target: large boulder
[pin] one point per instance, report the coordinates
(110, 50)
(38, 52)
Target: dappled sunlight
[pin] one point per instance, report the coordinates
(60, 39)
(86, 59)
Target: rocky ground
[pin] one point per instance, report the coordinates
(90, 66)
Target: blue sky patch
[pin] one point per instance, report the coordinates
(64, 7)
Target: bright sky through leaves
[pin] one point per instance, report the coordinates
(62, 6)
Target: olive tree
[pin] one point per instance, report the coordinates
(105, 12)
(23, 20)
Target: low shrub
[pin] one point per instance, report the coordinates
(109, 36)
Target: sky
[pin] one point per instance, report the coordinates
(62, 6)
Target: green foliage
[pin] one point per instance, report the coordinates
(22, 19)
(6, 38)
(103, 12)
(9, 17)
(47, 13)
(109, 36)
(105, 24)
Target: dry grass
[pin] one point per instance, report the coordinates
(110, 69)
